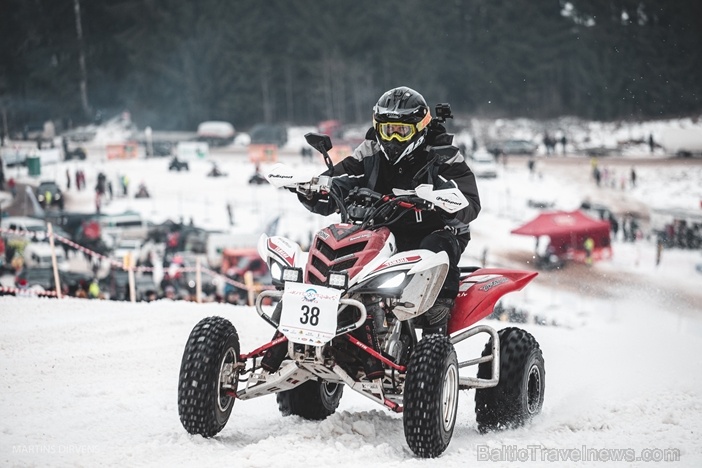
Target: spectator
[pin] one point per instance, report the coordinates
(597, 175)
(548, 143)
(81, 293)
(230, 213)
(94, 289)
(633, 178)
(12, 185)
(659, 250)
(589, 247)
(100, 186)
(614, 225)
(125, 185)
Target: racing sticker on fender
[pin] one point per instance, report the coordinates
(309, 313)
(486, 283)
(398, 261)
(289, 258)
(492, 284)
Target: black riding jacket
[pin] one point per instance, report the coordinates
(368, 167)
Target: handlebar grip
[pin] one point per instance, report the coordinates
(416, 203)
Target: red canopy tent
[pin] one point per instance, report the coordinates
(568, 231)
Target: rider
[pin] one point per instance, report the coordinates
(395, 156)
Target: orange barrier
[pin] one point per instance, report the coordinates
(263, 153)
(122, 151)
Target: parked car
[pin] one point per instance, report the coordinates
(682, 142)
(49, 194)
(512, 147)
(215, 133)
(126, 247)
(129, 224)
(162, 148)
(42, 279)
(15, 156)
(115, 286)
(483, 164)
(38, 254)
(25, 228)
(271, 134)
(78, 153)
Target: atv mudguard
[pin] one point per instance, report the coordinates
(479, 291)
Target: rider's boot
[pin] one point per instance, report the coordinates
(437, 317)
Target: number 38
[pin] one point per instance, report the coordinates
(309, 315)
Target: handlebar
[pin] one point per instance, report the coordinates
(366, 196)
(363, 205)
(319, 184)
(416, 203)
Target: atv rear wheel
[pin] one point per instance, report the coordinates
(519, 395)
(431, 396)
(314, 399)
(207, 372)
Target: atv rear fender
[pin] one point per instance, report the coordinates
(479, 291)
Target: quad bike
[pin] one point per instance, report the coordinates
(346, 314)
(178, 165)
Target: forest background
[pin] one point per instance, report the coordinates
(175, 63)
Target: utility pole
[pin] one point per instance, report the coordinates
(81, 61)
(5, 133)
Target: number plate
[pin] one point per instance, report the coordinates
(309, 313)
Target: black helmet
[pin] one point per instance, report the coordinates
(400, 119)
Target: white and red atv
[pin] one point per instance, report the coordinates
(345, 315)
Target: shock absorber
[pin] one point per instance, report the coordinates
(368, 335)
(274, 356)
(393, 345)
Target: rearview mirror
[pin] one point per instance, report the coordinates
(318, 141)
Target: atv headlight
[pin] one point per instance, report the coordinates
(276, 271)
(339, 280)
(292, 274)
(394, 281)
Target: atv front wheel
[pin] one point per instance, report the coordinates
(519, 395)
(314, 399)
(207, 372)
(431, 396)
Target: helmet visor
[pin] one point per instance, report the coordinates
(396, 131)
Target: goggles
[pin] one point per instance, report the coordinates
(396, 131)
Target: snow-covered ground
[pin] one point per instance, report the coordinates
(93, 383)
